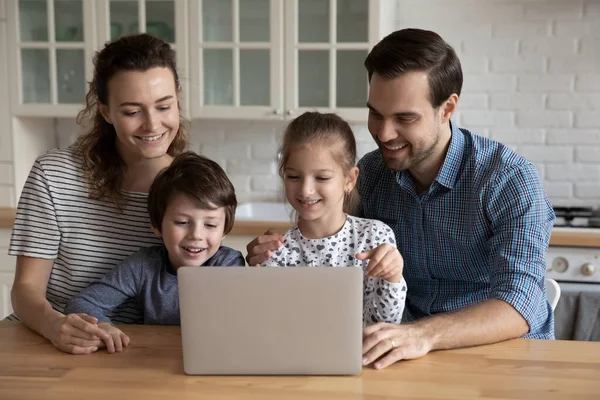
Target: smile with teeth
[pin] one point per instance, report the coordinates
(394, 148)
(309, 202)
(194, 249)
(151, 138)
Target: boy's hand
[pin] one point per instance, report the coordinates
(116, 340)
(385, 262)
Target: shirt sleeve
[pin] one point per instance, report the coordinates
(228, 257)
(521, 218)
(384, 301)
(35, 232)
(100, 298)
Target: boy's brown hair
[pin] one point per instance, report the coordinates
(199, 178)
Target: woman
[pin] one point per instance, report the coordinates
(83, 208)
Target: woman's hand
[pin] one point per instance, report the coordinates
(76, 334)
(116, 340)
(385, 262)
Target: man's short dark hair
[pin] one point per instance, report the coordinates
(418, 50)
(199, 178)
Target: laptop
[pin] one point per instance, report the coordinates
(271, 321)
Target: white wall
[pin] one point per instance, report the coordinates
(532, 81)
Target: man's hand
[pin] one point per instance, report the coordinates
(116, 340)
(385, 262)
(387, 343)
(259, 250)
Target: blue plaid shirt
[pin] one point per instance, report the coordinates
(480, 232)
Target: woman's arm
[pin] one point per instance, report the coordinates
(75, 333)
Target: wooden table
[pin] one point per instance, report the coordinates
(151, 368)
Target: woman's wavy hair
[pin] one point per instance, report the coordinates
(103, 167)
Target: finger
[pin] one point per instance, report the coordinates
(369, 330)
(383, 266)
(125, 339)
(371, 341)
(117, 341)
(69, 348)
(85, 342)
(88, 318)
(391, 357)
(382, 347)
(110, 344)
(365, 255)
(82, 325)
(264, 252)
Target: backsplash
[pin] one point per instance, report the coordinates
(532, 81)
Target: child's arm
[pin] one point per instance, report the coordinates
(102, 297)
(385, 292)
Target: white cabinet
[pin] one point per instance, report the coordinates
(6, 280)
(238, 242)
(52, 42)
(274, 59)
(250, 59)
(7, 273)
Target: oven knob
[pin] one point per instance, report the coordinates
(588, 269)
(560, 264)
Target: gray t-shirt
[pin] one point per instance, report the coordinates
(147, 277)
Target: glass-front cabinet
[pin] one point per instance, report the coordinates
(54, 41)
(274, 59)
(236, 58)
(52, 47)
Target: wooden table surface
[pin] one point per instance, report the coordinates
(151, 368)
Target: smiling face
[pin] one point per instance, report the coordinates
(142, 107)
(409, 131)
(315, 183)
(191, 234)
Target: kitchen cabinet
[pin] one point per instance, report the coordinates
(7, 273)
(52, 42)
(274, 59)
(247, 59)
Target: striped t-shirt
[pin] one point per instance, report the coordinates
(57, 220)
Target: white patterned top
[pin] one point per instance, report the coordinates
(383, 301)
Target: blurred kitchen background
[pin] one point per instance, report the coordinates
(531, 67)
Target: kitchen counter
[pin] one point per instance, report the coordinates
(560, 236)
(151, 368)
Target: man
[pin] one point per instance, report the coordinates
(470, 216)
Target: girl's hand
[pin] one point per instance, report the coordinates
(76, 334)
(116, 340)
(385, 262)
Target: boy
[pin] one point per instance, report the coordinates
(192, 207)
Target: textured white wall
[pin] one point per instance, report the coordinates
(532, 81)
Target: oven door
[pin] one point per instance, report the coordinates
(577, 314)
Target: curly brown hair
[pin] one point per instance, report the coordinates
(103, 167)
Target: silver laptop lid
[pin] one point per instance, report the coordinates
(264, 321)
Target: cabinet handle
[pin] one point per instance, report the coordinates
(289, 113)
(277, 112)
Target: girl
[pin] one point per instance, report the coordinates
(317, 165)
(83, 208)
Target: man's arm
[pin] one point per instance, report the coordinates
(522, 220)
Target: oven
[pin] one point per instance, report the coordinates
(575, 264)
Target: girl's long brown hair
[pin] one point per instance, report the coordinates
(103, 167)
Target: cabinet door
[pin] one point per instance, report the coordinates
(165, 19)
(236, 54)
(6, 280)
(327, 42)
(52, 44)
